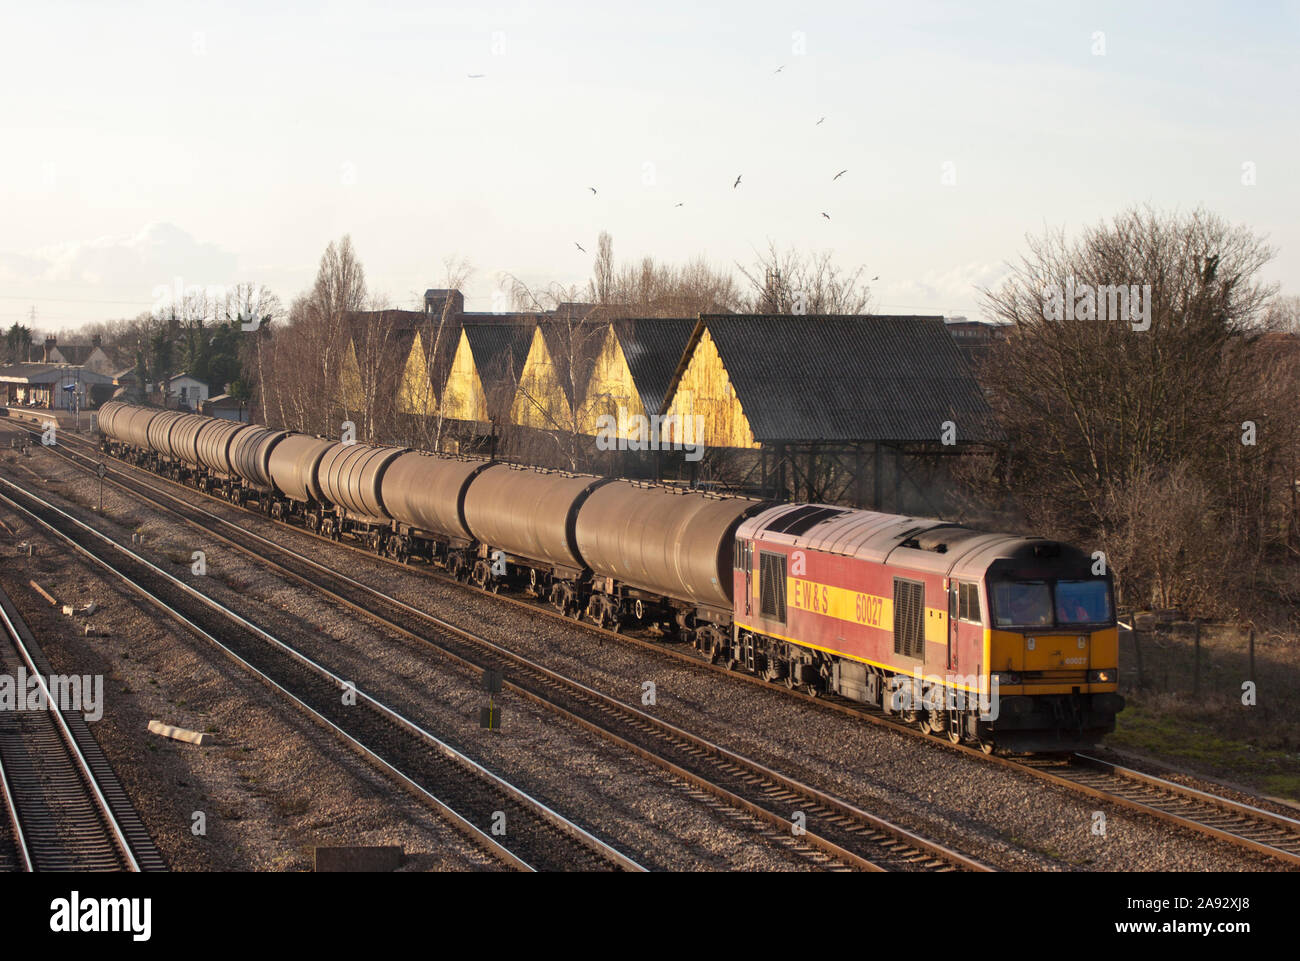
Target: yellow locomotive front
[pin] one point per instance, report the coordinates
(1051, 649)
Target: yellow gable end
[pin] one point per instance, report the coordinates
(416, 394)
(705, 391)
(610, 387)
(464, 398)
(350, 391)
(540, 401)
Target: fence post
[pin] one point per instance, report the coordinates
(1196, 661)
(1252, 656)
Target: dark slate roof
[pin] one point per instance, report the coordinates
(76, 354)
(654, 347)
(499, 354)
(848, 378)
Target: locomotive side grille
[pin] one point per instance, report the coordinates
(771, 583)
(909, 617)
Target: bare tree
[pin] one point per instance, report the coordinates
(795, 283)
(1095, 404)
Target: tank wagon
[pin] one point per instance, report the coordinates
(981, 637)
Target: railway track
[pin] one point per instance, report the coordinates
(1240, 825)
(828, 828)
(472, 798)
(63, 807)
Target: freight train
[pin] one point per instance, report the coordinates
(992, 639)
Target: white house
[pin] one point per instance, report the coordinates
(187, 390)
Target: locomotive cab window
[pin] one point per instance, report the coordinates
(968, 602)
(771, 582)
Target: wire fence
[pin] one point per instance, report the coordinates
(1214, 669)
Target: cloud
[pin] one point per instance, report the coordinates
(130, 266)
(954, 290)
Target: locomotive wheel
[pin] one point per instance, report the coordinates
(790, 682)
(986, 746)
(812, 690)
(732, 663)
(934, 722)
(954, 727)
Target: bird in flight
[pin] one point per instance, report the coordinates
(682, 204)
(877, 277)
(779, 69)
(826, 215)
(475, 76)
(819, 122)
(737, 183)
(840, 174)
(580, 247)
(593, 191)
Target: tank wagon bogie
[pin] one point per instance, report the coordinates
(987, 638)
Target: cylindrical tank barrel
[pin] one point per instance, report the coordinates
(213, 444)
(185, 436)
(350, 475)
(132, 427)
(160, 429)
(250, 453)
(105, 417)
(678, 544)
(529, 513)
(293, 463)
(427, 491)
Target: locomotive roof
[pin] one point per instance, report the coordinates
(918, 543)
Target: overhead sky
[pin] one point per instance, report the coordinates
(216, 143)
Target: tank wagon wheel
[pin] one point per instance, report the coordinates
(812, 690)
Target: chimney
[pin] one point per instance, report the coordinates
(96, 341)
(50, 343)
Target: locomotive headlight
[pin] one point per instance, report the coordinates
(1103, 676)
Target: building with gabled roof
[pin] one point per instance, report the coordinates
(632, 371)
(825, 401)
(485, 371)
(554, 378)
(805, 379)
